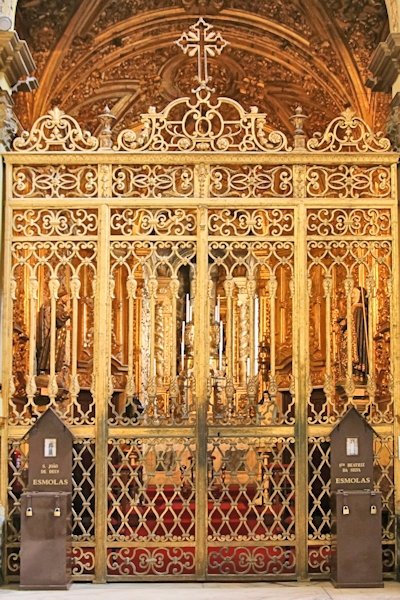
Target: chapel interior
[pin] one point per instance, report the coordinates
(201, 373)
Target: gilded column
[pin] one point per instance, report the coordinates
(102, 383)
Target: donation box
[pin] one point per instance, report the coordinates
(46, 507)
(356, 559)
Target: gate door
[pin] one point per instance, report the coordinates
(200, 300)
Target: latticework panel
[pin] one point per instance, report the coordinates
(251, 499)
(17, 479)
(245, 181)
(151, 507)
(151, 490)
(350, 282)
(251, 328)
(319, 511)
(152, 331)
(319, 488)
(52, 288)
(83, 498)
(384, 483)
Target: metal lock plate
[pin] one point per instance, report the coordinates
(346, 510)
(57, 511)
(373, 510)
(29, 511)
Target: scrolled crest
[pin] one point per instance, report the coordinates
(202, 124)
(348, 133)
(56, 131)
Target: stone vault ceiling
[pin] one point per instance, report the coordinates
(281, 54)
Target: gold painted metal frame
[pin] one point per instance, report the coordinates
(201, 203)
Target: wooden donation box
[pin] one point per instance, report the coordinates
(356, 508)
(46, 507)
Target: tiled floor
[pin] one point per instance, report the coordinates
(206, 591)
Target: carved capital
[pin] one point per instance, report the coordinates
(385, 65)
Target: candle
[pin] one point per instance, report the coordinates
(256, 317)
(183, 346)
(221, 343)
(187, 308)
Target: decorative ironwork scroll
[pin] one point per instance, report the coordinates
(348, 133)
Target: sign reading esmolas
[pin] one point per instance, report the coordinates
(353, 473)
(50, 454)
(352, 461)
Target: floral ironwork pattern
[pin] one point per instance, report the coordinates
(348, 133)
(348, 182)
(151, 561)
(147, 222)
(248, 181)
(149, 181)
(257, 222)
(56, 131)
(48, 222)
(344, 221)
(61, 181)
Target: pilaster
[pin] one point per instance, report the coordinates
(16, 65)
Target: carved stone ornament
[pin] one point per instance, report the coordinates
(210, 7)
(16, 61)
(385, 64)
(8, 125)
(393, 124)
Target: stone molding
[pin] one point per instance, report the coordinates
(385, 64)
(16, 61)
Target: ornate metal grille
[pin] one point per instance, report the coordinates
(191, 315)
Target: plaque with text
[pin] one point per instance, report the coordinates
(50, 454)
(352, 461)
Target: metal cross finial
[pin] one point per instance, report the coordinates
(204, 42)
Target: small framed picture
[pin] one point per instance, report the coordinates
(50, 447)
(352, 446)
